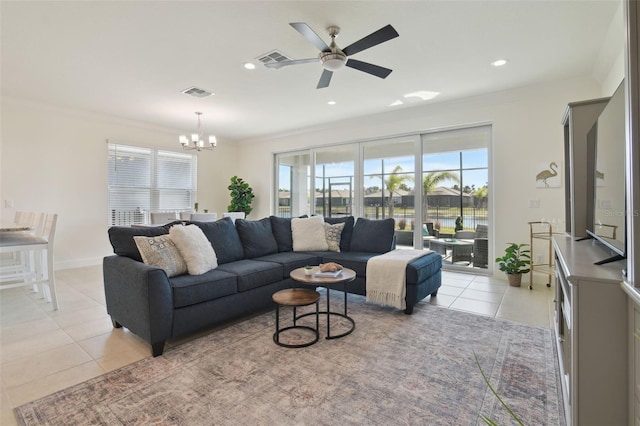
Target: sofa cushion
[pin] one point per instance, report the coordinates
(281, 227)
(372, 235)
(253, 273)
(224, 239)
(291, 260)
(121, 238)
(308, 234)
(333, 233)
(347, 231)
(350, 259)
(161, 252)
(256, 237)
(195, 248)
(422, 268)
(191, 289)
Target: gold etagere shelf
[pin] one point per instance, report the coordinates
(541, 232)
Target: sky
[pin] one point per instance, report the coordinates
(450, 161)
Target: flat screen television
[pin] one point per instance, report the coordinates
(608, 141)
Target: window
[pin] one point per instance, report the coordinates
(142, 180)
(334, 174)
(389, 169)
(456, 178)
(294, 177)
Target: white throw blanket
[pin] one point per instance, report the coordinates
(386, 277)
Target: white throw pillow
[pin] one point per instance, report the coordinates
(195, 248)
(161, 252)
(333, 234)
(308, 234)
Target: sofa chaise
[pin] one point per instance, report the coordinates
(254, 259)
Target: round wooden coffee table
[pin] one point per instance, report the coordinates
(347, 275)
(296, 297)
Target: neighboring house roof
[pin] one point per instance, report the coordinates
(441, 190)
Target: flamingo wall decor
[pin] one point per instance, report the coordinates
(549, 175)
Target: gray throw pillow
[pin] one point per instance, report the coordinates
(372, 235)
(332, 234)
(347, 231)
(161, 252)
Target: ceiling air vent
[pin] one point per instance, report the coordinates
(273, 57)
(197, 92)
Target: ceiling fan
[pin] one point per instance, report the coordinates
(334, 58)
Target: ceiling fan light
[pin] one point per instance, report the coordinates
(332, 60)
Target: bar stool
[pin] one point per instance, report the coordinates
(296, 297)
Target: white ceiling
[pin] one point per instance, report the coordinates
(132, 59)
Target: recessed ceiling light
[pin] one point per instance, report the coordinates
(331, 102)
(249, 66)
(396, 103)
(499, 62)
(425, 95)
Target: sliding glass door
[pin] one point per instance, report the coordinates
(389, 169)
(434, 185)
(455, 185)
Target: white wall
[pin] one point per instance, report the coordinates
(55, 160)
(527, 131)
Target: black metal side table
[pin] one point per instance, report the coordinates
(346, 275)
(296, 297)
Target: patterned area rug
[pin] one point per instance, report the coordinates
(394, 369)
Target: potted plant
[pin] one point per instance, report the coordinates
(308, 270)
(241, 196)
(515, 262)
(459, 225)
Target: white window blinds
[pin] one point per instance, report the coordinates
(142, 180)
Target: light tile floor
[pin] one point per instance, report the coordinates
(42, 351)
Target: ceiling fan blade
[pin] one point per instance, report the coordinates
(310, 35)
(373, 39)
(278, 65)
(325, 79)
(376, 70)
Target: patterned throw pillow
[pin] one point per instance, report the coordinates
(333, 234)
(195, 248)
(161, 252)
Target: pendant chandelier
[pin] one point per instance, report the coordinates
(197, 141)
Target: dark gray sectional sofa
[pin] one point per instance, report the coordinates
(254, 261)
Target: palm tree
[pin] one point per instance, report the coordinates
(395, 182)
(481, 195)
(429, 183)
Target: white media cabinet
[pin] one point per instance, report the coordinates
(591, 333)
